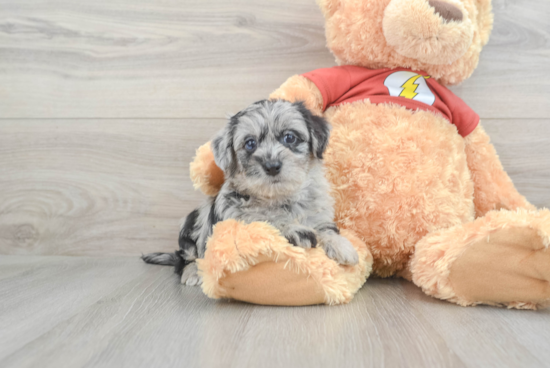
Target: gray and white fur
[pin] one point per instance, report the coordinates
(271, 154)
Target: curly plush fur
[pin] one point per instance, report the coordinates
(519, 238)
(271, 155)
(366, 32)
(255, 263)
(431, 206)
(385, 189)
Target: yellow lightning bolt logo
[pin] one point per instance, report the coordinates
(409, 88)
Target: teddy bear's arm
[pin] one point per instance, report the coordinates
(299, 88)
(493, 188)
(204, 172)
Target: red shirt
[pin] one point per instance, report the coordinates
(414, 90)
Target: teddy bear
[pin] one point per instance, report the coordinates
(419, 188)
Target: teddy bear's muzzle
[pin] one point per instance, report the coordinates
(431, 31)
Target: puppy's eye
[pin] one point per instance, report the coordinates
(289, 138)
(250, 145)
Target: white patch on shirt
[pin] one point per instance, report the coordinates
(409, 85)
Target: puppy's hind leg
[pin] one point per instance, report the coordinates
(187, 252)
(190, 275)
(187, 269)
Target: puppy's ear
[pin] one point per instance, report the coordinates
(319, 130)
(222, 146)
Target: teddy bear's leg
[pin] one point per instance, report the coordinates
(256, 264)
(492, 186)
(501, 259)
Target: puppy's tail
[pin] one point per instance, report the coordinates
(167, 259)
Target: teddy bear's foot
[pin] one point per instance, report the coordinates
(255, 263)
(510, 265)
(501, 259)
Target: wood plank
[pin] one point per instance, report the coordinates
(155, 314)
(198, 58)
(61, 318)
(378, 328)
(130, 326)
(524, 150)
(120, 187)
(507, 82)
(485, 336)
(98, 187)
(205, 58)
(14, 266)
(50, 290)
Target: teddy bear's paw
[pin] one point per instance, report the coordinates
(339, 249)
(508, 267)
(300, 236)
(190, 275)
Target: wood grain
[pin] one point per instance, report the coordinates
(137, 315)
(507, 82)
(49, 291)
(524, 150)
(96, 187)
(204, 58)
(121, 187)
(198, 58)
(91, 165)
(102, 105)
(486, 336)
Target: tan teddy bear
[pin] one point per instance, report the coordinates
(413, 172)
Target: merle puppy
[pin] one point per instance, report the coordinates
(271, 154)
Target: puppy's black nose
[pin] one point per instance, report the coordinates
(272, 167)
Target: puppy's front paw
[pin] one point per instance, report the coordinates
(301, 236)
(340, 249)
(190, 275)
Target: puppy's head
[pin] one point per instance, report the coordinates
(268, 149)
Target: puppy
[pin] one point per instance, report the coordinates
(271, 154)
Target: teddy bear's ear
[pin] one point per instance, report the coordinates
(485, 19)
(329, 7)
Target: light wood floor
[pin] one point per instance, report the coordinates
(102, 105)
(96, 312)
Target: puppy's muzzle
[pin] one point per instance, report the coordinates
(272, 168)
